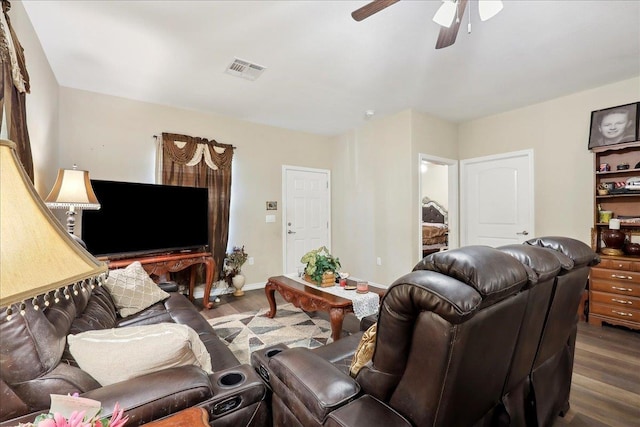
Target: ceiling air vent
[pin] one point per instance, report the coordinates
(245, 69)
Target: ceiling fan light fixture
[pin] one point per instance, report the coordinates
(489, 8)
(445, 14)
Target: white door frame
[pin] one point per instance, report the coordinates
(464, 196)
(285, 169)
(453, 185)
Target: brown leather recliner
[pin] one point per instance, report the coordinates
(459, 340)
(443, 338)
(553, 365)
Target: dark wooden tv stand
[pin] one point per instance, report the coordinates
(160, 265)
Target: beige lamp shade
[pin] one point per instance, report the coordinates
(36, 254)
(72, 189)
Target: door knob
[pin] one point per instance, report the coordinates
(524, 233)
(291, 232)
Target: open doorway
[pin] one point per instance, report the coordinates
(438, 204)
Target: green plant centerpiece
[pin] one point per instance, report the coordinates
(322, 267)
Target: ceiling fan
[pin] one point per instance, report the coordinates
(448, 16)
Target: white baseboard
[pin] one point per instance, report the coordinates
(221, 288)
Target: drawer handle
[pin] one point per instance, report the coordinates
(621, 276)
(622, 313)
(617, 288)
(621, 301)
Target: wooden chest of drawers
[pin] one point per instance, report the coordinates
(614, 292)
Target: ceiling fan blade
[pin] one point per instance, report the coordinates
(370, 8)
(447, 36)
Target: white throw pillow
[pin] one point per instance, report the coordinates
(132, 289)
(118, 354)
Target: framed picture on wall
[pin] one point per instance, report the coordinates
(614, 125)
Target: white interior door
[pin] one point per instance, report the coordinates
(497, 203)
(306, 220)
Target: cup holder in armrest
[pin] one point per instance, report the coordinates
(231, 379)
(260, 359)
(272, 352)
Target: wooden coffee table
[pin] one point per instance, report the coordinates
(311, 298)
(191, 417)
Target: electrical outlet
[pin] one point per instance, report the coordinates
(250, 260)
(270, 218)
(379, 261)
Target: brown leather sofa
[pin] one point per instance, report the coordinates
(34, 362)
(472, 336)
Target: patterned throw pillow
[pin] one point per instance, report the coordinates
(364, 352)
(133, 290)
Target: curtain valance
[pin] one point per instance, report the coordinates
(189, 151)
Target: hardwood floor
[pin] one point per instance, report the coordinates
(606, 376)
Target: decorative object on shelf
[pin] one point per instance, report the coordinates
(603, 189)
(632, 249)
(605, 216)
(29, 267)
(633, 184)
(622, 166)
(604, 167)
(615, 125)
(72, 190)
(321, 267)
(233, 269)
(613, 238)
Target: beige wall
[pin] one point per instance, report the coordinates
(372, 199)
(437, 138)
(113, 139)
(558, 133)
(41, 103)
(376, 192)
(435, 184)
(374, 169)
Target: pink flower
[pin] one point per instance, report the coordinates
(116, 418)
(76, 419)
(49, 422)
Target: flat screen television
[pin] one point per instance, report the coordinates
(139, 219)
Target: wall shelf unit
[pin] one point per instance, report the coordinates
(614, 284)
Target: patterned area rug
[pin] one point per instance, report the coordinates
(247, 332)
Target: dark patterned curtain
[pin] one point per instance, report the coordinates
(198, 162)
(15, 86)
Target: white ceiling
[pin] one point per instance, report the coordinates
(324, 70)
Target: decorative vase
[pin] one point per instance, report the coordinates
(238, 282)
(614, 239)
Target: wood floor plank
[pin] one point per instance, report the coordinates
(612, 392)
(605, 390)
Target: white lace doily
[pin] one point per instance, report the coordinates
(363, 304)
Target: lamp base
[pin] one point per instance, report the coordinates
(78, 240)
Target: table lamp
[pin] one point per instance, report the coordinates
(37, 256)
(72, 190)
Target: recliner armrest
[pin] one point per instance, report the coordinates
(168, 286)
(366, 411)
(155, 395)
(305, 381)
